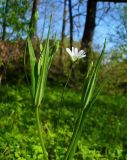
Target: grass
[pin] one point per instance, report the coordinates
(104, 134)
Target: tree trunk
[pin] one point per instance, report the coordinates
(71, 24)
(62, 46)
(33, 20)
(89, 28)
(5, 21)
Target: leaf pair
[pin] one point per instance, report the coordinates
(39, 68)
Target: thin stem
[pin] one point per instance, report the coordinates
(62, 99)
(62, 95)
(69, 76)
(40, 134)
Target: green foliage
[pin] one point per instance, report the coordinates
(115, 71)
(14, 17)
(103, 137)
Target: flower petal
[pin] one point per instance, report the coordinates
(81, 52)
(76, 51)
(73, 51)
(69, 52)
(81, 56)
(74, 54)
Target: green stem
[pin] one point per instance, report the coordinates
(69, 76)
(62, 100)
(62, 95)
(76, 135)
(40, 134)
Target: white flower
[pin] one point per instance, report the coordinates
(74, 54)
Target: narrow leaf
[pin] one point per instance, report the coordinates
(32, 65)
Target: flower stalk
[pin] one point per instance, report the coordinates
(87, 101)
(67, 81)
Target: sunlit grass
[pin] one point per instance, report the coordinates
(103, 136)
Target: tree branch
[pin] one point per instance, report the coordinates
(115, 1)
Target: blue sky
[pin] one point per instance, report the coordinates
(107, 27)
(104, 27)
